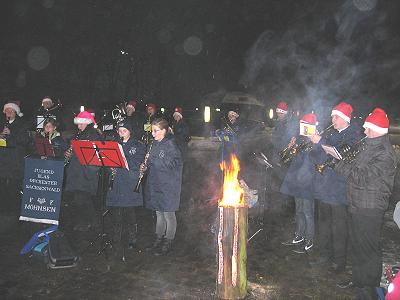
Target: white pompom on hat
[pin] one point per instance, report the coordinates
(85, 117)
(13, 106)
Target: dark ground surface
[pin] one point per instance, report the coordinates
(189, 272)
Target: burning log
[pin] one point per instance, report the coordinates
(232, 236)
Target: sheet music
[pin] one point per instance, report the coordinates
(332, 151)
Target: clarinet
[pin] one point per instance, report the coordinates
(68, 153)
(6, 125)
(112, 178)
(141, 174)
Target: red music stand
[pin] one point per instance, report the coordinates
(104, 154)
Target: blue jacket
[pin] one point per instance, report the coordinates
(122, 194)
(164, 177)
(330, 187)
(299, 179)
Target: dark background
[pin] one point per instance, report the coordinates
(309, 53)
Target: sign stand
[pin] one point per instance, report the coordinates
(104, 154)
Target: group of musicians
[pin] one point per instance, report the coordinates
(351, 191)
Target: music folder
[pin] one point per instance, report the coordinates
(332, 151)
(44, 147)
(100, 153)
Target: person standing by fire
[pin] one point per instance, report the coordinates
(370, 179)
(82, 181)
(181, 131)
(120, 197)
(299, 183)
(229, 135)
(163, 185)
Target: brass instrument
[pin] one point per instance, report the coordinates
(141, 173)
(289, 153)
(227, 126)
(348, 153)
(119, 113)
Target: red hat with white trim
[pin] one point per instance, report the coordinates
(131, 103)
(282, 108)
(377, 121)
(47, 99)
(178, 112)
(343, 110)
(85, 117)
(15, 106)
(152, 105)
(309, 119)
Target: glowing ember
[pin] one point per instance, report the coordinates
(233, 194)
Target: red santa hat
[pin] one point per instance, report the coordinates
(85, 117)
(377, 121)
(47, 99)
(393, 291)
(131, 103)
(309, 119)
(343, 110)
(15, 106)
(178, 112)
(282, 108)
(91, 111)
(151, 105)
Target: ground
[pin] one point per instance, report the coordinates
(189, 272)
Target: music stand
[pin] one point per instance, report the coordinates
(104, 154)
(43, 147)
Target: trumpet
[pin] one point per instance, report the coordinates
(227, 127)
(348, 154)
(287, 154)
(119, 113)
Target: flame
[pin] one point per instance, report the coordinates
(233, 194)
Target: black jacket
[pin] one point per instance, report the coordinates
(370, 177)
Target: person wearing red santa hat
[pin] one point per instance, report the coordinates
(48, 109)
(299, 183)
(82, 181)
(13, 147)
(330, 189)
(181, 131)
(370, 179)
(135, 119)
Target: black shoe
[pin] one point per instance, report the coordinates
(308, 246)
(156, 244)
(165, 248)
(295, 241)
(345, 284)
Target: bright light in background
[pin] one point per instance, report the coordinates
(207, 114)
(217, 109)
(162, 109)
(197, 108)
(271, 113)
(82, 108)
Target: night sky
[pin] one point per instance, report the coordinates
(311, 54)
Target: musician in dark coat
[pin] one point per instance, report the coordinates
(370, 179)
(81, 180)
(120, 198)
(330, 189)
(181, 131)
(49, 109)
(150, 116)
(135, 119)
(163, 185)
(54, 136)
(229, 135)
(299, 183)
(13, 147)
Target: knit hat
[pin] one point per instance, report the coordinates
(14, 106)
(178, 112)
(233, 113)
(377, 121)
(47, 99)
(282, 108)
(151, 105)
(343, 110)
(131, 103)
(126, 125)
(310, 119)
(85, 117)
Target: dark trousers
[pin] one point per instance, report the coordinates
(84, 210)
(333, 232)
(124, 223)
(365, 235)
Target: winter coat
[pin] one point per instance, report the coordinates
(122, 194)
(181, 135)
(229, 137)
(58, 143)
(12, 156)
(299, 179)
(136, 121)
(83, 178)
(330, 187)
(370, 176)
(284, 130)
(164, 177)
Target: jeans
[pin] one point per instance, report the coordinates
(166, 224)
(305, 218)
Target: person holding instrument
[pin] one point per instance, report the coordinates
(330, 190)
(163, 185)
(50, 132)
(120, 198)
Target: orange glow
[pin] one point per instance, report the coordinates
(233, 194)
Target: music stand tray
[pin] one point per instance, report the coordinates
(104, 154)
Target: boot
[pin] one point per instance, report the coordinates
(132, 236)
(156, 244)
(165, 248)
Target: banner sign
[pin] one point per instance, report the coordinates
(43, 180)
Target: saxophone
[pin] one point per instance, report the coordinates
(141, 173)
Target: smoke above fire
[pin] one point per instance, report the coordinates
(329, 52)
